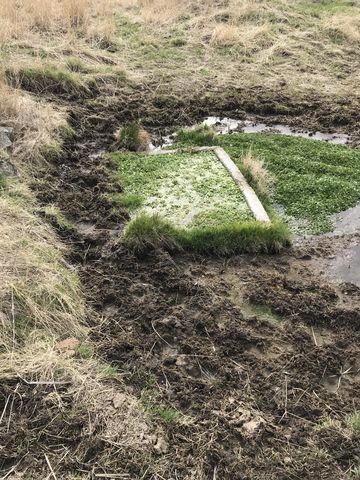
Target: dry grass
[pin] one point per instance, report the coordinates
(37, 290)
(82, 393)
(159, 11)
(257, 174)
(243, 42)
(344, 27)
(225, 35)
(25, 19)
(35, 125)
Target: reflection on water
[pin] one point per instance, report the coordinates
(228, 125)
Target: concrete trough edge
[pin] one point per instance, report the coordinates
(250, 196)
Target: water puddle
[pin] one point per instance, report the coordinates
(261, 312)
(228, 125)
(347, 222)
(346, 266)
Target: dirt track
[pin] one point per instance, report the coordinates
(250, 393)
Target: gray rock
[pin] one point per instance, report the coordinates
(6, 167)
(5, 134)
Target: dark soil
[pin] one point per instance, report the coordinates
(252, 395)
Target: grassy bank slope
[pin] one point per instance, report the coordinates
(272, 55)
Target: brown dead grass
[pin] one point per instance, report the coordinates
(258, 174)
(35, 125)
(37, 290)
(24, 20)
(344, 27)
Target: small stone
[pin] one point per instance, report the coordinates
(5, 141)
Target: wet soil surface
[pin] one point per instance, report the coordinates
(252, 393)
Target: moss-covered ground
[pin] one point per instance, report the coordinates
(189, 190)
(312, 179)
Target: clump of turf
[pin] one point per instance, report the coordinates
(199, 135)
(132, 137)
(49, 79)
(130, 201)
(146, 232)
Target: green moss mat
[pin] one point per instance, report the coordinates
(188, 190)
(313, 179)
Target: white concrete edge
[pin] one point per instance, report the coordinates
(250, 196)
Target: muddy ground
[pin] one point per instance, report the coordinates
(253, 391)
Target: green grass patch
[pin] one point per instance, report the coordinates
(52, 150)
(74, 64)
(312, 179)
(189, 201)
(131, 201)
(85, 350)
(66, 132)
(353, 421)
(188, 190)
(199, 135)
(168, 415)
(49, 79)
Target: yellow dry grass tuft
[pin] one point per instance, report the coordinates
(225, 35)
(343, 27)
(159, 11)
(257, 173)
(23, 20)
(35, 124)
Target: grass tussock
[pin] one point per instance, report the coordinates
(48, 79)
(133, 137)
(257, 175)
(343, 28)
(225, 35)
(201, 135)
(146, 232)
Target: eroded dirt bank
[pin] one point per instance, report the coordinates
(252, 398)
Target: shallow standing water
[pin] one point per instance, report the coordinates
(228, 125)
